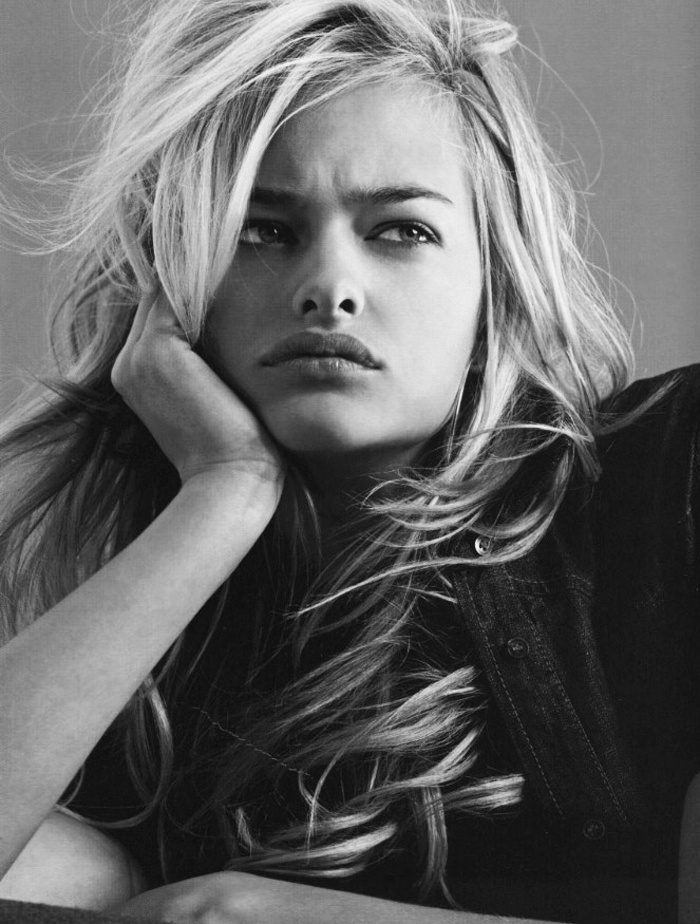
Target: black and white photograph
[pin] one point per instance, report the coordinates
(349, 461)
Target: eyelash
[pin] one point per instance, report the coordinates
(432, 238)
(428, 233)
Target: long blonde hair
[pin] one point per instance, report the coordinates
(392, 728)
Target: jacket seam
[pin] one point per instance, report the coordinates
(514, 711)
(527, 737)
(584, 735)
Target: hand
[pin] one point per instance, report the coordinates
(197, 420)
(228, 898)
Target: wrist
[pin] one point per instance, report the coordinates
(253, 488)
(258, 468)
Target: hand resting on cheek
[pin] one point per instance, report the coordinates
(201, 425)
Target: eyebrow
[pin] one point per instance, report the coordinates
(360, 195)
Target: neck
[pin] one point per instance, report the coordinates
(339, 481)
(339, 484)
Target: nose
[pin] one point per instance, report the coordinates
(329, 286)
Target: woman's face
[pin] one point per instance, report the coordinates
(348, 314)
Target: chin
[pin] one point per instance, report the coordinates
(334, 445)
(315, 438)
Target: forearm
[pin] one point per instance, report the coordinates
(331, 907)
(241, 897)
(65, 678)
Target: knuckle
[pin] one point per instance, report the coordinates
(126, 373)
(145, 367)
(117, 375)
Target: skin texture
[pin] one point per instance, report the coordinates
(198, 422)
(239, 898)
(69, 863)
(403, 277)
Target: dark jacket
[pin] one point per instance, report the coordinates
(589, 646)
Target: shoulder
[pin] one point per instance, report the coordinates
(677, 390)
(647, 500)
(659, 432)
(647, 508)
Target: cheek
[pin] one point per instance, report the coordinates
(438, 370)
(442, 330)
(433, 362)
(235, 320)
(224, 341)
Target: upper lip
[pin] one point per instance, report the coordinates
(309, 343)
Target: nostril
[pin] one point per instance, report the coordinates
(324, 305)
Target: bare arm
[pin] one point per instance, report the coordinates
(240, 898)
(70, 863)
(65, 678)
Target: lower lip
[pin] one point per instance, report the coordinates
(324, 368)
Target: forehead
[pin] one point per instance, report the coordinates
(376, 135)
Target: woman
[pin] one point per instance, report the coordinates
(315, 514)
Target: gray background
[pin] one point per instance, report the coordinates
(621, 96)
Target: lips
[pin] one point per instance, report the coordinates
(309, 344)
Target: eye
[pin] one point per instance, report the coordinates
(408, 233)
(265, 233)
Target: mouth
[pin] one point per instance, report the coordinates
(336, 348)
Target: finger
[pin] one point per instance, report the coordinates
(161, 318)
(689, 859)
(143, 310)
